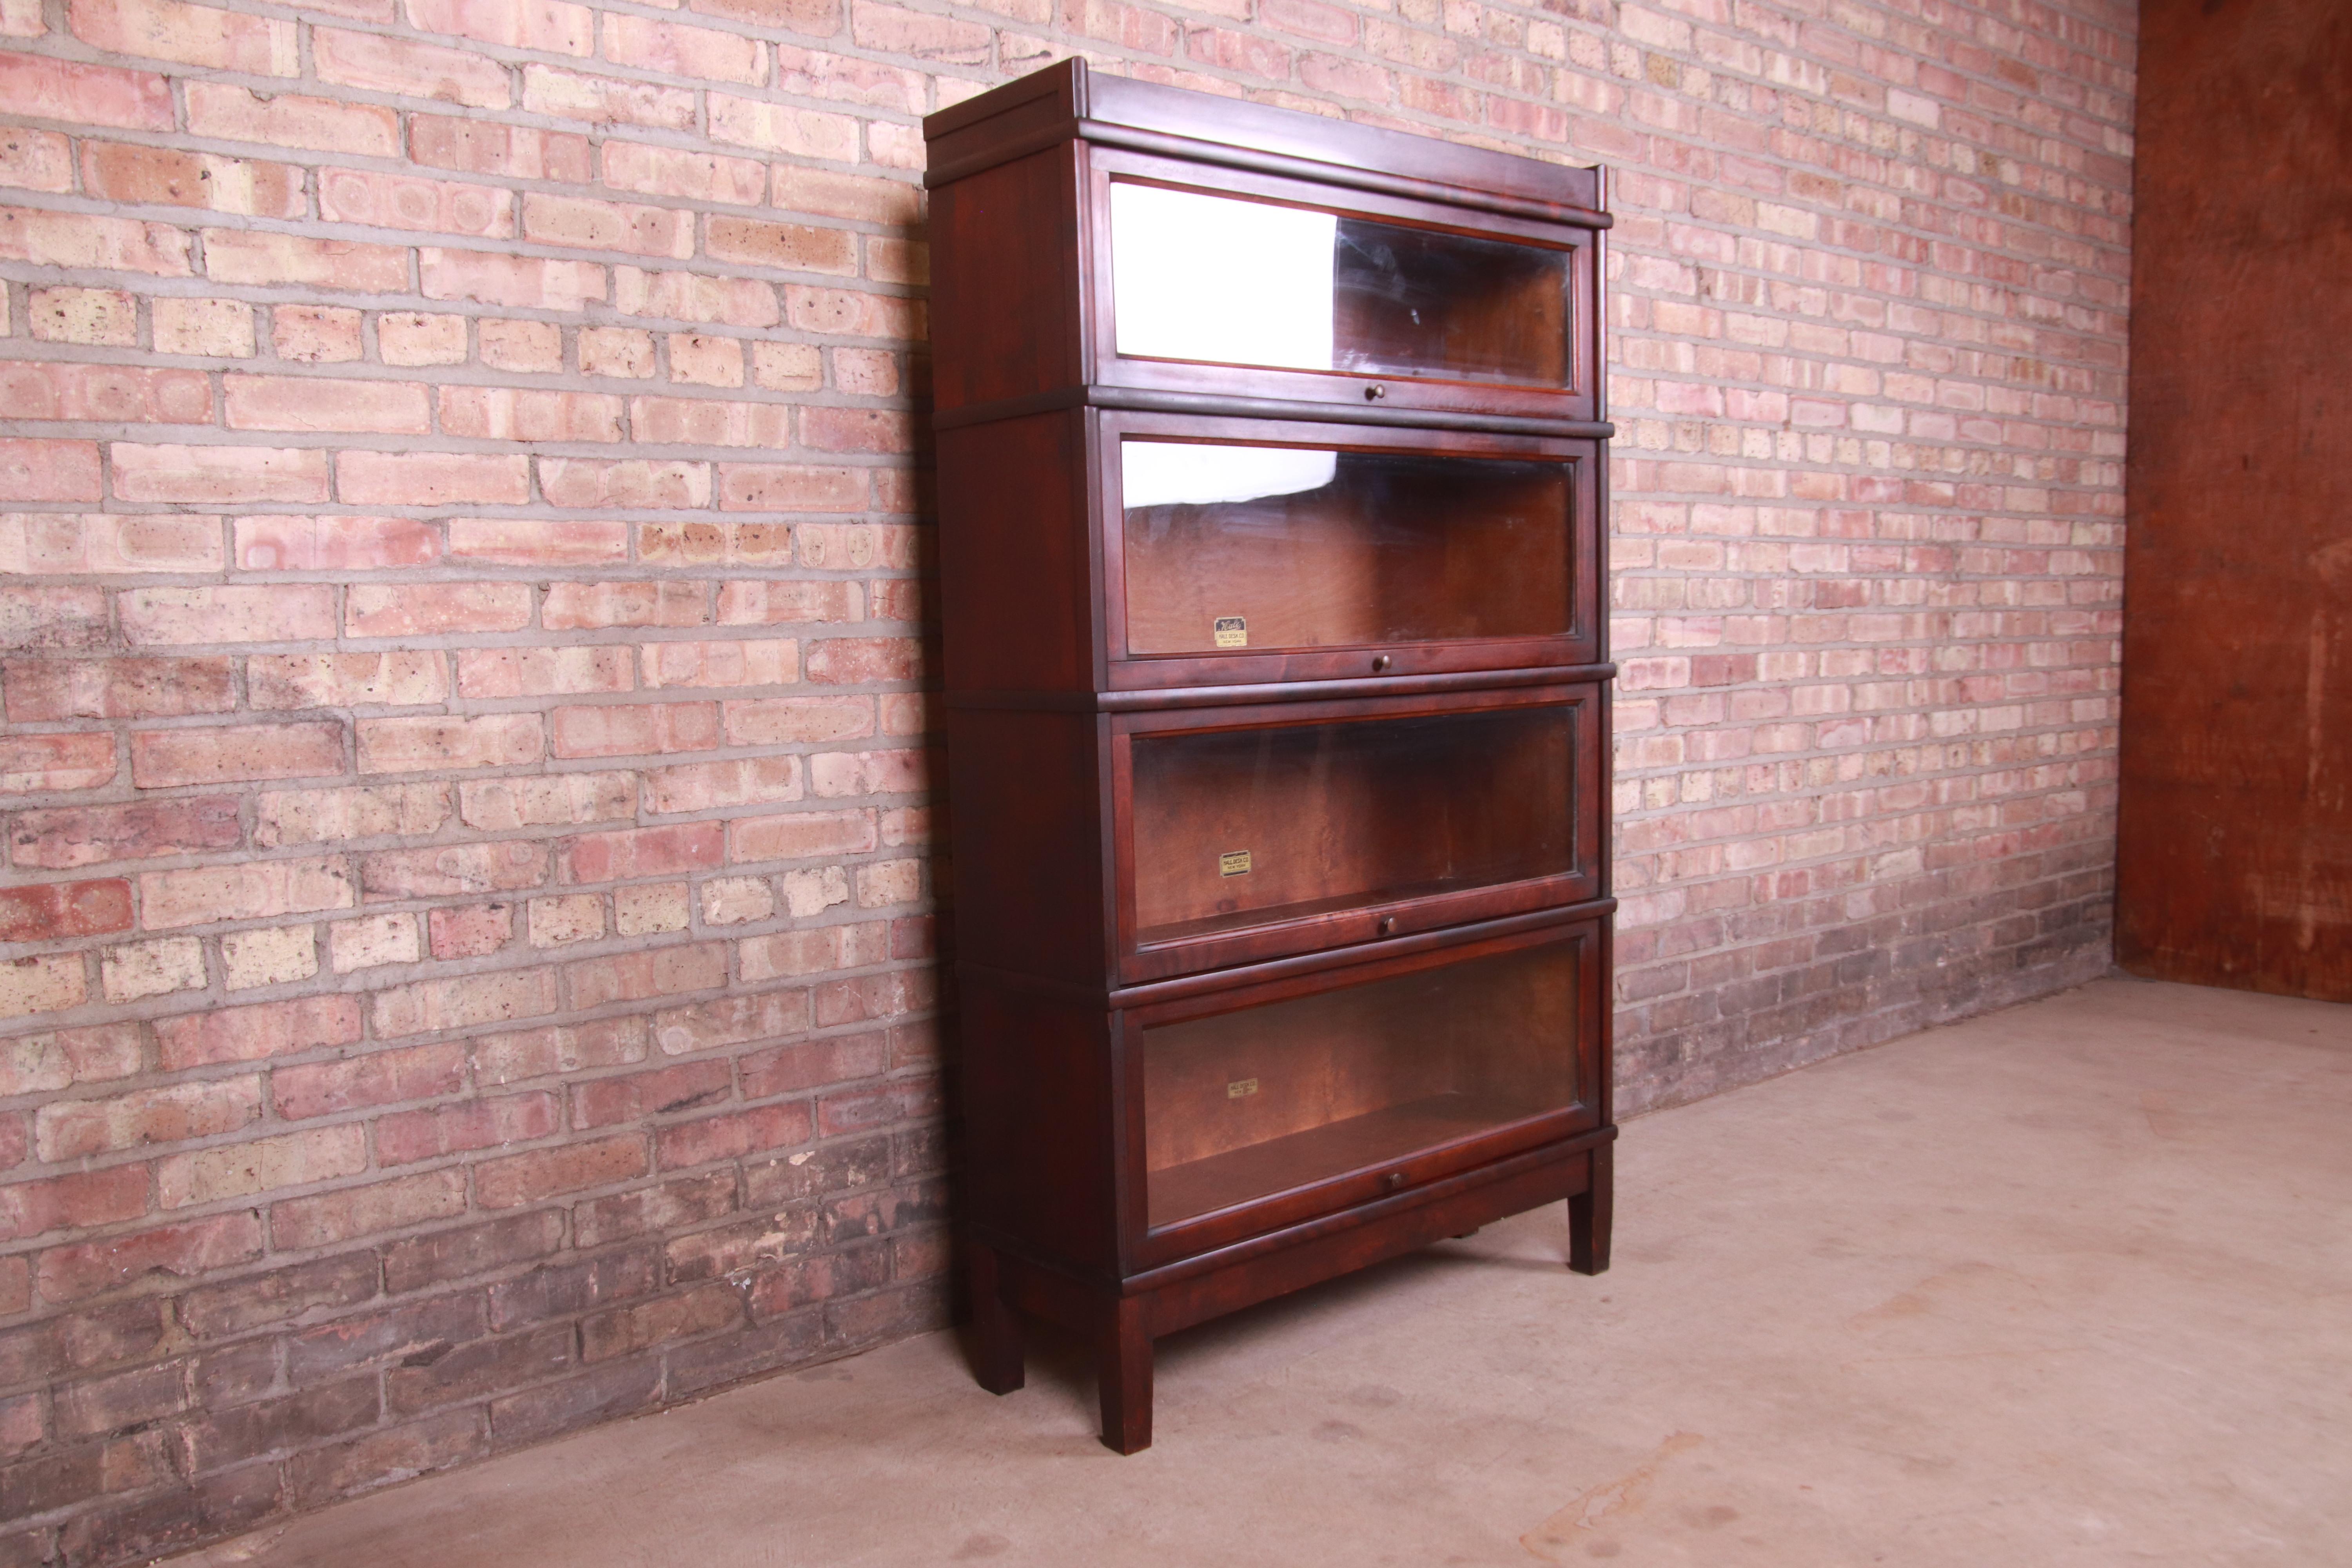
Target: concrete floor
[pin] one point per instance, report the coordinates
(2067, 1285)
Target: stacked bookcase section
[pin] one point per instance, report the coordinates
(1271, 462)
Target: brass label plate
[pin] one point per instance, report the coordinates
(1232, 631)
(1234, 863)
(1241, 1087)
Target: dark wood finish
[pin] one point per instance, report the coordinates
(1474, 326)
(2234, 862)
(1481, 556)
(996, 1327)
(1277, 715)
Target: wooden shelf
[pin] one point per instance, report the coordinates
(1273, 481)
(1335, 1149)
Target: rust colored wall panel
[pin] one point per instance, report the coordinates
(2235, 865)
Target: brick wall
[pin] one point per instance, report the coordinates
(467, 907)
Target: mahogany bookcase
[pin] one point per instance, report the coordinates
(1272, 471)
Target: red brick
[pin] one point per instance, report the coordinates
(432, 478)
(239, 1170)
(434, 609)
(573, 607)
(627, 1329)
(570, 1048)
(470, 1252)
(760, 661)
(652, 170)
(891, 29)
(280, 613)
(181, 1251)
(851, 313)
(43, 160)
(470, 932)
(213, 1311)
(608, 1102)
(49, 470)
(431, 1005)
(645, 974)
(792, 247)
(528, 281)
(454, 870)
(160, 759)
(73, 1202)
(334, 544)
(110, 393)
(542, 671)
(408, 69)
(709, 422)
(606, 100)
(293, 1420)
(517, 1179)
(640, 852)
(345, 265)
(42, 763)
(51, 911)
(827, 429)
(848, 661)
(40, 87)
(344, 680)
(485, 147)
(785, 721)
(187, 34)
(550, 26)
(319, 402)
(397, 1204)
(213, 474)
(513, 414)
(732, 1135)
(316, 334)
(858, 197)
(639, 729)
(253, 1032)
(630, 482)
(578, 223)
(324, 1475)
(79, 240)
(694, 297)
(380, 1077)
(435, 743)
(707, 786)
(781, 487)
(45, 689)
(406, 1137)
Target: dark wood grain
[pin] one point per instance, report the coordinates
(2234, 854)
(1190, 1083)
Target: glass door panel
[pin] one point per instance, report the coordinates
(1222, 280)
(1229, 546)
(1244, 1105)
(1247, 827)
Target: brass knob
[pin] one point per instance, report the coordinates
(1380, 661)
(1393, 1180)
(1388, 925)
(1375, 392)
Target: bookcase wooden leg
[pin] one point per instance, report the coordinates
(1588, 1217)
(1125, 1357)
(996, 1326)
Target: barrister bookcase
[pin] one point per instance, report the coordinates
(1271, 477)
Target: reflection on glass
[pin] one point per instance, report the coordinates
(1245, 1105)
(1201, 278)
(1245, 828)
(1283, 547)
(1225, 282)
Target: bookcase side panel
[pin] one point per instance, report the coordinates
(1006, 261)
(1025, 787)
